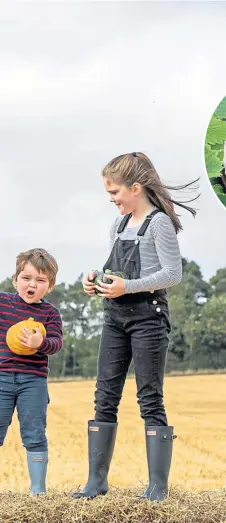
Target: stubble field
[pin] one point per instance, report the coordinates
(195, 406)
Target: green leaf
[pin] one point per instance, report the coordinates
(212, 160)
(219, 148)
(222, 198)
(219, 191)
(221, 109)
(216, 132)
(215, 180)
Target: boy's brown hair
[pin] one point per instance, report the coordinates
(41, 260)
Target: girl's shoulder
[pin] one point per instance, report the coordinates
(115, 225)
(159, 222)
(161, 217)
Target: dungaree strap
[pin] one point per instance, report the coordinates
(145, 225)
(123, 223)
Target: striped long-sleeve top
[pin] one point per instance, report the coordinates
(14, 309)
(161, 263)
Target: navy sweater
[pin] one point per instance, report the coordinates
(14, 309)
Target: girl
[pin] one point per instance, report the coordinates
(136, 317)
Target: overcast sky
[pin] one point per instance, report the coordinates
(83, 82)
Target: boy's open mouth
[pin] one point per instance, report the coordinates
(30, 293)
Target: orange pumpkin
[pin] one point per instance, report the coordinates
(14, 343)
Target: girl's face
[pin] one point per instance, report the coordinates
(125, 198)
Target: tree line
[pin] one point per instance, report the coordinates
(198, 317)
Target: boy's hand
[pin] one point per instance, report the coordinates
(111, 290)
(33, 340)
(88, 285)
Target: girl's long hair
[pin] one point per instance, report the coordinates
(137, 168)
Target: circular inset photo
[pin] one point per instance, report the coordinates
(215, 151)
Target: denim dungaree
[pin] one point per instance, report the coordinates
(136, 326)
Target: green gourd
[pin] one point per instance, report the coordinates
(103, 276)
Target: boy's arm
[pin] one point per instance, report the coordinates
(52, 342)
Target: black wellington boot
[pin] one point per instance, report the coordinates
(101, 442)
(159, 446)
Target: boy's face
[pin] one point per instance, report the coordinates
(32, 285)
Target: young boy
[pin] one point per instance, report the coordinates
(23, 378)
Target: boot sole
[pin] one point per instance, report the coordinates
(83, 496)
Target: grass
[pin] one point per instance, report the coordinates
(195, 406)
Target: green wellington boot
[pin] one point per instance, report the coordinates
(101, 442)
(159, 446)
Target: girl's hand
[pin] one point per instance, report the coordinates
(111, 290)
(33, 340)
(88, 284)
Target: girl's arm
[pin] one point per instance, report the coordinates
(167, 248)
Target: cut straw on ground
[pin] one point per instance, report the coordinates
(118, 506)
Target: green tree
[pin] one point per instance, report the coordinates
(218, 282)
(183, 306)
(82, 319)
(196, 340)
(7, 285)
(207, 334)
